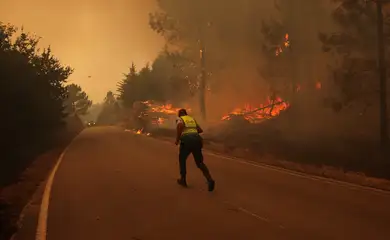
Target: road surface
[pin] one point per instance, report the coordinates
(114, 185)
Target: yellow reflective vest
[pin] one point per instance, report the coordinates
(190, 125)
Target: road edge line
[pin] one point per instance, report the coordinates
(240, 160)
(41, 231)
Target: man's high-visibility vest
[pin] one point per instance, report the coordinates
(190, 126)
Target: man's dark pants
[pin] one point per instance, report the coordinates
(192, 143)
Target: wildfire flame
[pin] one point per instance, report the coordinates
(164, 108)
(284, 45)
(256, 114)
(138, 132)
(159, 120)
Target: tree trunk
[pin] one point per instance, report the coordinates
(384, 138)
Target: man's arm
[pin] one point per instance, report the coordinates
(179, 130)
(200, 130)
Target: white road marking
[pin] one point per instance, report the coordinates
(348, 185)
(301, 175)
(41, 233)
(248, 212)
(253, 214)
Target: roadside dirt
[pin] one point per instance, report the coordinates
(16, 196)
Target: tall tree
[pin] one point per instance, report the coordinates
(110, 111)
(227, 36)
(77, 100)
(163, 80)
(126, 87)
(32, 86)
(291, 46)
(354, 49)
(39, 76)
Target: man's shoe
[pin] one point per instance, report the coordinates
(211, 185)
(182, 182)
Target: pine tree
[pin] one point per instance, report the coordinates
(355, 50)
(291, 47)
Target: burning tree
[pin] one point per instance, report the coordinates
(147, 95)
(165, 80)
(256, 114)
(290, 49)
(276, 69)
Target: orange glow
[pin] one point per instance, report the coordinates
(286, 41)
(256, 114)
(138, 132)
(285, 44)
(318, 85)
(164, 108)
(160, 120)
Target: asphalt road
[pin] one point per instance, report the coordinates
(114, 185)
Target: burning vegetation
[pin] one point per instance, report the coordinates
(322, 76)
(163, 108)
(148, 115)
(257, 114)
(254, 114)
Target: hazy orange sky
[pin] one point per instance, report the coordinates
(96, 37)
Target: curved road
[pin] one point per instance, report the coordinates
(113, 185)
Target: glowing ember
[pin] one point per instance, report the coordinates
(138, 132)
(286, 41)
(255, 114)
(158, 120)
(318, 85)
(285, 44)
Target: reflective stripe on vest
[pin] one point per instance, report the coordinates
(190, 126)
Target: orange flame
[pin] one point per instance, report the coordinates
(164, 108)
(286, 40)
(285, 44)
(257, 114)
(138, 132)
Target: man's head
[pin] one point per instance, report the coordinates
(182, 112)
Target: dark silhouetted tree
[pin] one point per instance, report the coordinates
(110, 111)
(354, 51)
(33, 94)
(164, 80)
(77, 100)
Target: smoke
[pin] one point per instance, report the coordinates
(96, 37)
(231, 33)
